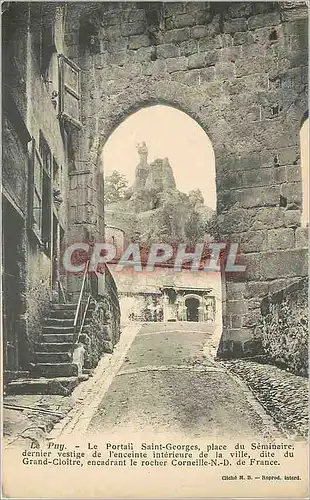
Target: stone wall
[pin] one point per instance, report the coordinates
(42, 118)
(238, 69)
(116, 237)
(102, 333)
(29, 106)
(285, 327)
(141, 292)
(124, 220)
(14, 62)
(141, 307)
(14, 190)
(14, 165)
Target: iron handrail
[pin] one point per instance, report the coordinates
(81, 295)
(84, 317)
(76, 329)
(61, 292)
(110, 285)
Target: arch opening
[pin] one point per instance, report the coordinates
(167, 131)
(160, 187)
(192, 304)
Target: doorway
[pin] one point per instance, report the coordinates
(57, 243)
(12, 229)
(192, 305)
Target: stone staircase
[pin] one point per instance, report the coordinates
(58, 366)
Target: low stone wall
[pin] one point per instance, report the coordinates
(94, 337)
(141, 307)
(284, 328)
(102, 333)
(230, 348)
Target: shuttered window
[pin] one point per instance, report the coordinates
(40, 194)
(69, 91)
(46, 156)
(36, 191)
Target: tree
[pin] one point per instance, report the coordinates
(195, 197)
(194, 228)
(213, 227)
(115, 187)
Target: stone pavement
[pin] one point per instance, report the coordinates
(166, 379)
(30, 417)
(38, 417)
(168, 384)
(284, 395)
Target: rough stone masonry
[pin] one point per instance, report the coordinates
(238, 69)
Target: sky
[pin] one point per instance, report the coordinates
(304, 160)
(169, 133)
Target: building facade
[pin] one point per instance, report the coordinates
(41, 181)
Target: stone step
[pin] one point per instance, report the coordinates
(62, 314)
(61, 386)
(69, 307)
(15, 374)
(53, 347)
(50, 370)
(67, 314)
(64, 307)
(62, 321)
(53, 357)
(58, 321)
(51, 338)
(57, 329)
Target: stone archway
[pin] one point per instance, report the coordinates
(220, 80)
(236, 204)
(106, 160)
(193, 305)
(192, 308)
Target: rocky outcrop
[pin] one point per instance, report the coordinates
(150, 181)
(142, 172)
(143, 200)
(160, 176)
(156, 210)
(142, 169)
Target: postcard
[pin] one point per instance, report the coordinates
(155, 219)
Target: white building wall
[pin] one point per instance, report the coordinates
(115, 236)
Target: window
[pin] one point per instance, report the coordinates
(43, 34)
(45, 154)
(37, 192)
(46, 194)
(57, 184)
(57, 175)
(40, 211)
(69, 91)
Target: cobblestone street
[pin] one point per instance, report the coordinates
(168, 383)
(155, 249)
(284, 395)
(164, 379)
(162, 382)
